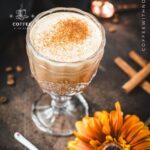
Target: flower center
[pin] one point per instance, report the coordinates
(112, 146)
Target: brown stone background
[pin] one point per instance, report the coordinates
(101, 94)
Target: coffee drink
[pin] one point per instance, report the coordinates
(64, 47)
(64, 52)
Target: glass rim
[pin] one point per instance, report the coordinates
(67, 9)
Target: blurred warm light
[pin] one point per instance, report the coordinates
(102, 9)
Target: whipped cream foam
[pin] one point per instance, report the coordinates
(66, 37)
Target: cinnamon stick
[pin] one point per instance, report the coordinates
(137, 58)
(124, 66)
(137, 79)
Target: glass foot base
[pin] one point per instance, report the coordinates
(58, 121)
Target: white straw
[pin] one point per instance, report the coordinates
(20, 138)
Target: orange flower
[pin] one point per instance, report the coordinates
(111, 131)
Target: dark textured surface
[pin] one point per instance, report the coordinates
(101, 94)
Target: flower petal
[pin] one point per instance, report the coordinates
(120, 115)
(133, 131)
(81, 134)
(116, 120)
(95, 144)
(103, 118)
(128, 122)
(113, 122)
(78, 145)
(142, 146)
(92, 128)
(147, 139)
(144, 133)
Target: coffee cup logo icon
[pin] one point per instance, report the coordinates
(21, 14)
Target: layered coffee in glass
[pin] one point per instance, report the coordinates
(64, 47)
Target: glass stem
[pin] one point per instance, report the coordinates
(59, 103)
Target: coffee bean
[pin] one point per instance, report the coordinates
(3, 99)
(9, 69)
(10, 76)
(19, 68)
(116, 19)
(112, 29)
(10, 81)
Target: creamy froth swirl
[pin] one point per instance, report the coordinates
(66, 37)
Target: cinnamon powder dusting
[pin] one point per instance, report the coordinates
(67, 32)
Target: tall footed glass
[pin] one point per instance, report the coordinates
(61, 103)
